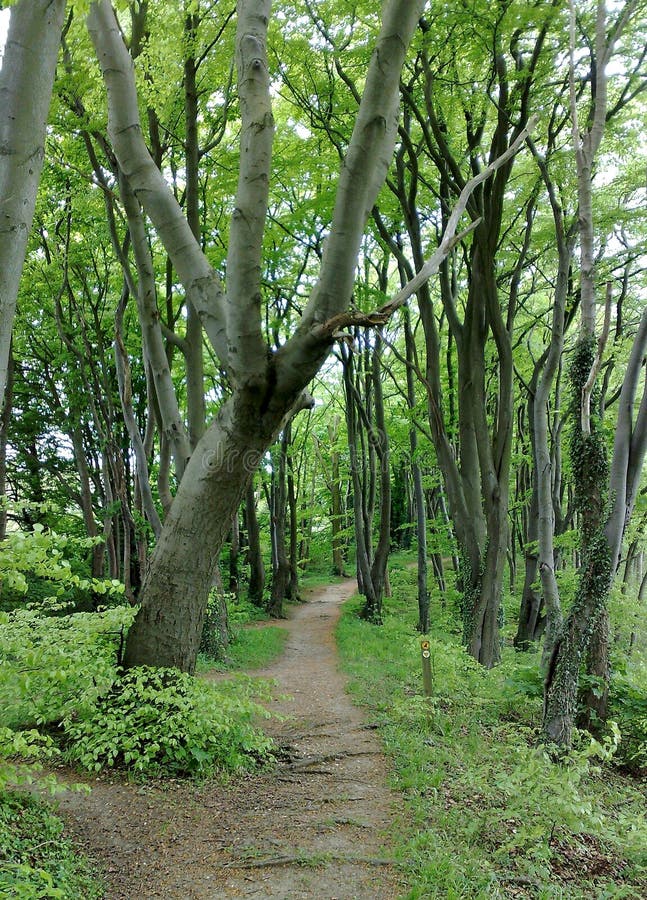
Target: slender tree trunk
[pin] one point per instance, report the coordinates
(85, 492)
(281, 564)
(254, 554)
(293, 559)
(336, 516)
(5, 418)
(193, 341)
(234, 551)
(424, 622)
(371, 563)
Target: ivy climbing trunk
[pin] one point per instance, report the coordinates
(601, 531)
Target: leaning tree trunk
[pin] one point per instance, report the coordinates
(26, 80)
(169, 623)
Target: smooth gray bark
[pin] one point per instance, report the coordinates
(174, 594)
(26, 81)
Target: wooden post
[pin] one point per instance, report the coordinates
(426, 667)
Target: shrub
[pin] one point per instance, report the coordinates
(51, 666)
(36, 860)
(156, 722)
(629, 706)
(44, 570)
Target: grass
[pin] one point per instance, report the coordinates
(487, 814)
(36, 860)
(321, 577)
(252, 647)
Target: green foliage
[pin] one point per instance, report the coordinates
(156, 722)
(53, 666)
(588, 452)
(628, 702)
(36, 860)
(488, 808)
(40, 565)
(18, 752)
(251, 648)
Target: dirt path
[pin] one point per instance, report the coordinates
(313, 828)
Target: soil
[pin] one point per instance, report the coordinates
(315, 826)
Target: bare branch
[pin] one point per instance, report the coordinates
(332, 326)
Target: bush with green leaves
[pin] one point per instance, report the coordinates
(36, 860)
(44, 570)
(629, 707)
(487, 807)
(156, 722)
(53, 665)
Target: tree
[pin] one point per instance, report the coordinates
(444, 133)
(26, 79)
(266, 385)
(598, 487)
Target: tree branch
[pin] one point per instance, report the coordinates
(200, 281)
(331, 328)
(248, 351)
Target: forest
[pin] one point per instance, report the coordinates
(323, 302)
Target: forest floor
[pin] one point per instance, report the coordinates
(315, 826)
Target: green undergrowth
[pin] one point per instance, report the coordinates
(488, 814)
(36, 859)
(320, 577)
(60, 679)
(161, 722)
(253, 641)
(64, 699)
(252, 647)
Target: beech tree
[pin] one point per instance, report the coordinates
(266, 385)
(26, 79)
(605, 495)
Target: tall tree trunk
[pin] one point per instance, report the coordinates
(293, 558)
(26, 80)
(5, 418)
(372, 438)
(87, 510)
(234, 551)
(182, 568)
(281, 564)
(192, 345)
(601, 535)
(254, 554)
(336, 513)
(424, 622)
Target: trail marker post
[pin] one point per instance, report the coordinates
(425, 649)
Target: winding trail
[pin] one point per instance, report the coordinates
(316, 826)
